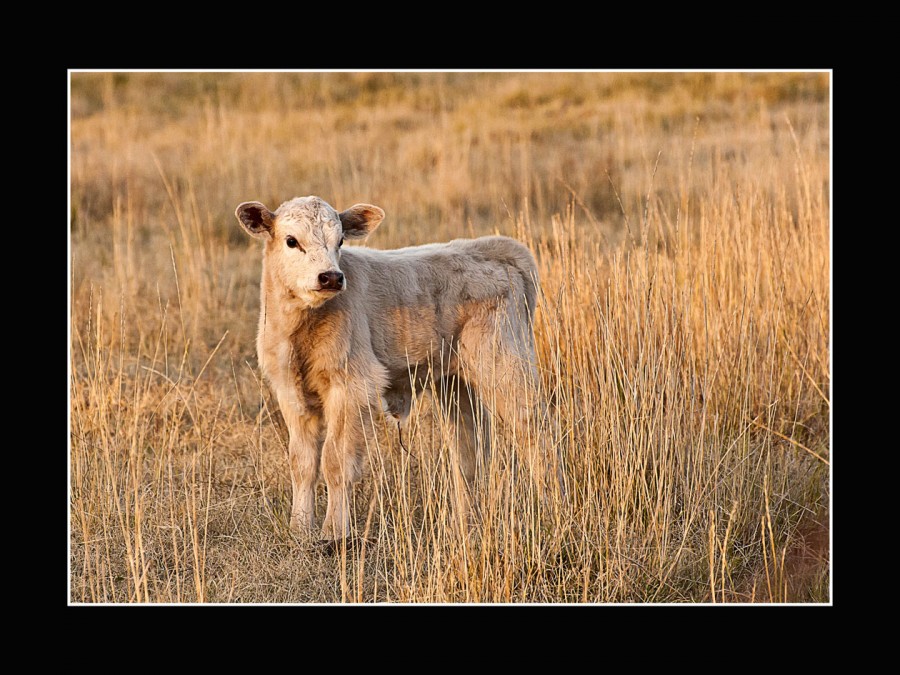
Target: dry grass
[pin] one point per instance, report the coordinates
(681, 224)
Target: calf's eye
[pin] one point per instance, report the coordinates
(341, 242)
(292, 243)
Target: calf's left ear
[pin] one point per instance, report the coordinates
(360, 220)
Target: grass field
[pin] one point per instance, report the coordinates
(681, 225)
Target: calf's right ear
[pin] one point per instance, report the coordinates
(256, 219)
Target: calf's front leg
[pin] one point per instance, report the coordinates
(341, 459)
(304, 450)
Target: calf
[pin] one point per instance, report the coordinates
(346, 330)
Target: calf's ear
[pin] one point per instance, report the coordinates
(255, 218)
(360, 220)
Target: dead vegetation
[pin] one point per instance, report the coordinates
(681, 224)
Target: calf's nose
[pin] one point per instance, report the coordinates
(332, 280)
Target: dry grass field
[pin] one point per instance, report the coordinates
(681, 225)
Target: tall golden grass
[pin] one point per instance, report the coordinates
(681, 224)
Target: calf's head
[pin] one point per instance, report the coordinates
(303, 243)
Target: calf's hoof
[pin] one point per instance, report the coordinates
(331, 547)
(335, 546)
(302, 527)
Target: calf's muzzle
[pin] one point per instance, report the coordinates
(331, 281)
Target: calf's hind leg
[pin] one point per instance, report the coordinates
(470, 430)
(497, 356)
